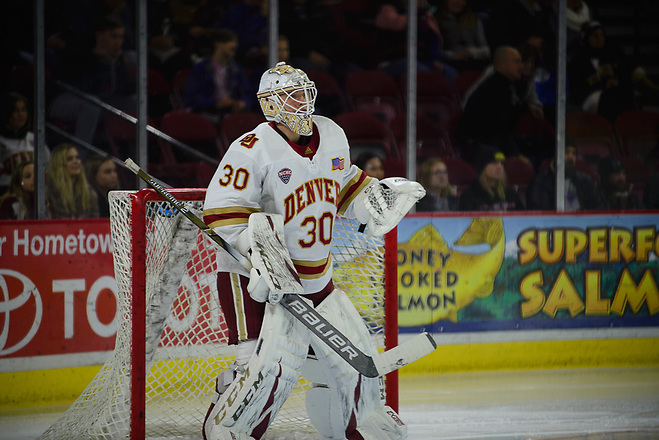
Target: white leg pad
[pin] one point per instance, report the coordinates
(328, 403)
(222, 383)
(341, 397)
(226, 377)
(223, 433)
(258, 392)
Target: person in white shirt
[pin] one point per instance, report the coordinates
(16, 139)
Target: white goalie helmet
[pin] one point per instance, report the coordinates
(281, 101)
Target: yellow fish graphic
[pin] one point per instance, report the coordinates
(435, 281)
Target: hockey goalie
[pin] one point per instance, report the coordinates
(274, 197)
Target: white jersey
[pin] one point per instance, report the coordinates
(262, 172)
(15, 151)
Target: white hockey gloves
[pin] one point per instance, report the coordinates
(382, 205)
(273, 273)
(258, 288)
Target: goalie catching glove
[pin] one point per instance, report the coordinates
(382, 205)
(273, 273)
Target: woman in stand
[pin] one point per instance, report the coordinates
(440, 194)
(489, 191)
(371, 164)
(465, 44)
(67, 190)
(16, 139)
(102, 175)
(17, 203)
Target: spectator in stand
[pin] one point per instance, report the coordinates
(536, 145)
(104, 73)
(18, 202)
(218, 85)
(191, 20)
(68, 193)
(371, 164)
(165, 51)
(440, 194)
(391, 47)
(525, 86)
(492, 111)
(489, 192)
(465, 44)
(599, 75)
(314, 43)
(513, 22)
(580, 191)
(78, 20)
(305, 23)
(284, 49)
(283, 54)
(102, 175)
(124, 12)
(248, 19)
(604, 80)
(616, 193)
(16, 139)
(577, 13)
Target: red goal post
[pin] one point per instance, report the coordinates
(171, 335)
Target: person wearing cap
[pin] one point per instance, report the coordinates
(616, 193)
(489, 192)
(599, 75)
(580, 191)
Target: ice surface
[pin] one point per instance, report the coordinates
(562, 404)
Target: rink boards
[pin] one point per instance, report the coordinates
(63, 385)
(498, 292)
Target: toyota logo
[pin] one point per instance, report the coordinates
(12, 281)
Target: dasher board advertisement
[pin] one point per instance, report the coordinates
(58, 288)
(516, 272)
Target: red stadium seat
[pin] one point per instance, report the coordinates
(431, 139)
(234, 125)
(365, 132)
(638, 133)
(375, 92)
(194, 130)
(331, 100)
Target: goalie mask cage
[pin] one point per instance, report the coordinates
(171, 335)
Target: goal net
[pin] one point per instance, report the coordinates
(171, 334)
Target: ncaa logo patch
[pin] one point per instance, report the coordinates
(285, 174)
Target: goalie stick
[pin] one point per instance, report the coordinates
(370, 366)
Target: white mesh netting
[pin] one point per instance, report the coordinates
(185, 331)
